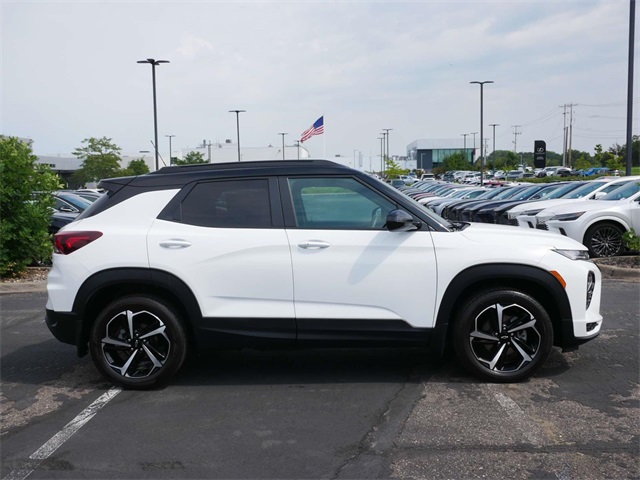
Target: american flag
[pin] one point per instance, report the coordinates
(316, 129)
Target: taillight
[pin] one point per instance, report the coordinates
(68, 242)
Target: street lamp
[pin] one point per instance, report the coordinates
(387, 130)
(481, 137)
(283, 134)
(494, 125)
(238, 112)
(153, 64)
(381, 154)
(465, 144)
(473, 156)
(170, 137)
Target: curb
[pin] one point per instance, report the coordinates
(26, 287)
(619, 273)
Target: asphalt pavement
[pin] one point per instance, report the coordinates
(320, 413)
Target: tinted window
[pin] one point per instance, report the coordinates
(338, 203)
(235, 203)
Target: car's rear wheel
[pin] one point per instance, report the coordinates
(604, 240)
(502, 335)
(138, 342)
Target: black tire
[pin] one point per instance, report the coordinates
(138, 342)
(604, 240)
(508, 354)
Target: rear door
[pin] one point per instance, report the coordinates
(226, 241)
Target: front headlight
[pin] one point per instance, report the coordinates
(567, 217)
(529, 213)
(574, 254)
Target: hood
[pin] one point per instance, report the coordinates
(585, 206)
(490, 233)
(543, 204)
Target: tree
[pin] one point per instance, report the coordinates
(456, 161)
(101, 159)
(135, 167)
(393, 169)
(191, 158)
(25, 207)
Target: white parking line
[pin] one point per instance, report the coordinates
(530, 431)
(63, 435)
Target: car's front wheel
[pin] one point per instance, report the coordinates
(502, 335)
(604, 240)
(138, 342)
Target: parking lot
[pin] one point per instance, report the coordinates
(345, 413)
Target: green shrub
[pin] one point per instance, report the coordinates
(24, 217)
(631, 240)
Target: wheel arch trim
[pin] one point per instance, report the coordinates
(153, 281)
(483, 276)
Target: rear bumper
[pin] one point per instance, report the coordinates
(65, 326)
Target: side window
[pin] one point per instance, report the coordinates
(338, 203)
(229, 203)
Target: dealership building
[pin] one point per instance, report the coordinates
(429, 154)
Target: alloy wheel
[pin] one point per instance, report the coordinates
(135, 344)
(505, 338)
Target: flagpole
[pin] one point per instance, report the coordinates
(324, 141)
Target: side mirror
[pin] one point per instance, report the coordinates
(401, 221)
(67, 209)
(598, 195)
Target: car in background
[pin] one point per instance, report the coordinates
(67, 207)
(427, 177)
(598, 224)
(547, 172)
(526, 215)
(514, 175)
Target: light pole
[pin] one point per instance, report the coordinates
(381, 154)
(238, 112)
(384, 143)
(283, 134)
(494, 125)
(481, 112)
(170, 137)
(298, 146)
(153, 64)
(387, 130)
(465, 144)
(473, 156)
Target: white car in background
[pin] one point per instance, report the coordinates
(598, 224)
(526, 214)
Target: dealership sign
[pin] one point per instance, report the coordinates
(539, 154)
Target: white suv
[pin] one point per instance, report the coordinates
(598, 224)
(306, 253)
(526, 215)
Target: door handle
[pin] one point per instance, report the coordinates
(175, 243)
(314, 244)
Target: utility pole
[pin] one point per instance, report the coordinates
(570, 131)
(494, 125)
(209, 151)
(515, 137)
(564, 135)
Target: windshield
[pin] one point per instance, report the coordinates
(584, 190)
(78, 202)
(622, 192)
(564, 189)
(508, 193)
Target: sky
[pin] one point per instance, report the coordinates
(69, 72)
